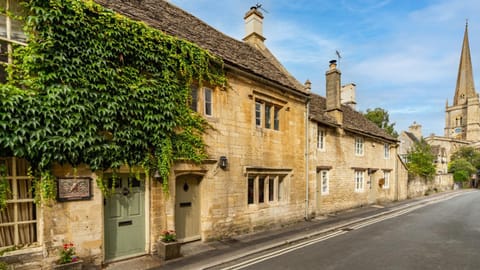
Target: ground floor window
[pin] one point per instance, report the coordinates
(265, 188)
(386, 177)
(359, 181)
(18, 221)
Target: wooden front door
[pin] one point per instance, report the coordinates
(124, 218)
(187, 208)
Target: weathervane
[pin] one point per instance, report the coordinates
(338, 56)
(259, 6)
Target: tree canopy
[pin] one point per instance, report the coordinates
(381, 118)
(464, 162)
(420, 160)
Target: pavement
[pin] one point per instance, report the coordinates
(214, 254)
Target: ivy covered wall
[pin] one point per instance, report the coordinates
(93, 87)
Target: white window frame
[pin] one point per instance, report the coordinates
(324, 182)
(386, 150)
(386, 179)
(359, 146)
(321, 134)
(359, 180)
(208, 101)
(258, 114)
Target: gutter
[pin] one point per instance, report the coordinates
(307, 157)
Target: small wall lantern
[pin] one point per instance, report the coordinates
(157, 176)
(223, 162)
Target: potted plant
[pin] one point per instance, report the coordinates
(168, 247)
(68, 258)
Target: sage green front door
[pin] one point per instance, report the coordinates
(124, 218)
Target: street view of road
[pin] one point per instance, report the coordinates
(441, 235)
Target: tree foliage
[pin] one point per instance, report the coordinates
(420, 160)
(464, 162)
(381, 118)
(94, 87)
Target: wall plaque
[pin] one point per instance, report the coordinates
(74, 189)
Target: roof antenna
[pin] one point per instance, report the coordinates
(259, 6)
(338, 56)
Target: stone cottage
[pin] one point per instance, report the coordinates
(254, 178)
(352, 161)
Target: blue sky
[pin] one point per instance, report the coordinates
(403, 55)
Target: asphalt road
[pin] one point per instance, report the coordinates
(443, 235)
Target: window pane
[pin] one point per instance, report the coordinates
(17, 31)
(271, 189)
(133, 182)
(208, 101)
(27, 233)
(251, 187)
(261, 189)
(3, 22)
(24, 189)
(6, 215)
(3, 51)
(258, 114)
(7, 236)
(276, 118)
(26, 211)
(268, 120)
(194, 96)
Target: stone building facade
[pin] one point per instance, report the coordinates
(352, 161)
(277, 154)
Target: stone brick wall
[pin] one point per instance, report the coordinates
(418, 186)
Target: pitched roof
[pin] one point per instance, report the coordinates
(353, 121)
(176, 22)
(465, 85)
(411, 136)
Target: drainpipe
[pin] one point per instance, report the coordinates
(308, 87)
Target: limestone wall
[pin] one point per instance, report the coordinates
(418, 186)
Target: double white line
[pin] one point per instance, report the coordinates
(339, 231)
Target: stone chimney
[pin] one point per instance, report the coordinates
(348, 95)
(254, 27)
(416, 130)
(333, 76)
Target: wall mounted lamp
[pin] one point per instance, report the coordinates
(223, 162)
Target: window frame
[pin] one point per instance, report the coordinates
(208, 101)
(321, 135)
(324, 182)
(386, 151)
(386, 179)
(359, 146)
(359, 181)
(270, 187)
(267, 114)
(258, 113)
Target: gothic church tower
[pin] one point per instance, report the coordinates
(462, 119)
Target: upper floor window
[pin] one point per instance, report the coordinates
(359, 180)
(208, 101)
(359, 146)
(386, 148)
(10, 33)
(202, 100)
(267, 115)
(321, 133)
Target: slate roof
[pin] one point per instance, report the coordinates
(412, 137)
(353, 121)
(179, 23)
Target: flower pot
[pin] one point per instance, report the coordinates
(69, 266)
(168, 251)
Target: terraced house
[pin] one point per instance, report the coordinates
(253, 178)
(352, 161)
(276, 153)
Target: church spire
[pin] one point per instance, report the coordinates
(465, 87)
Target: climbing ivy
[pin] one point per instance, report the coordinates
(94, 87)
